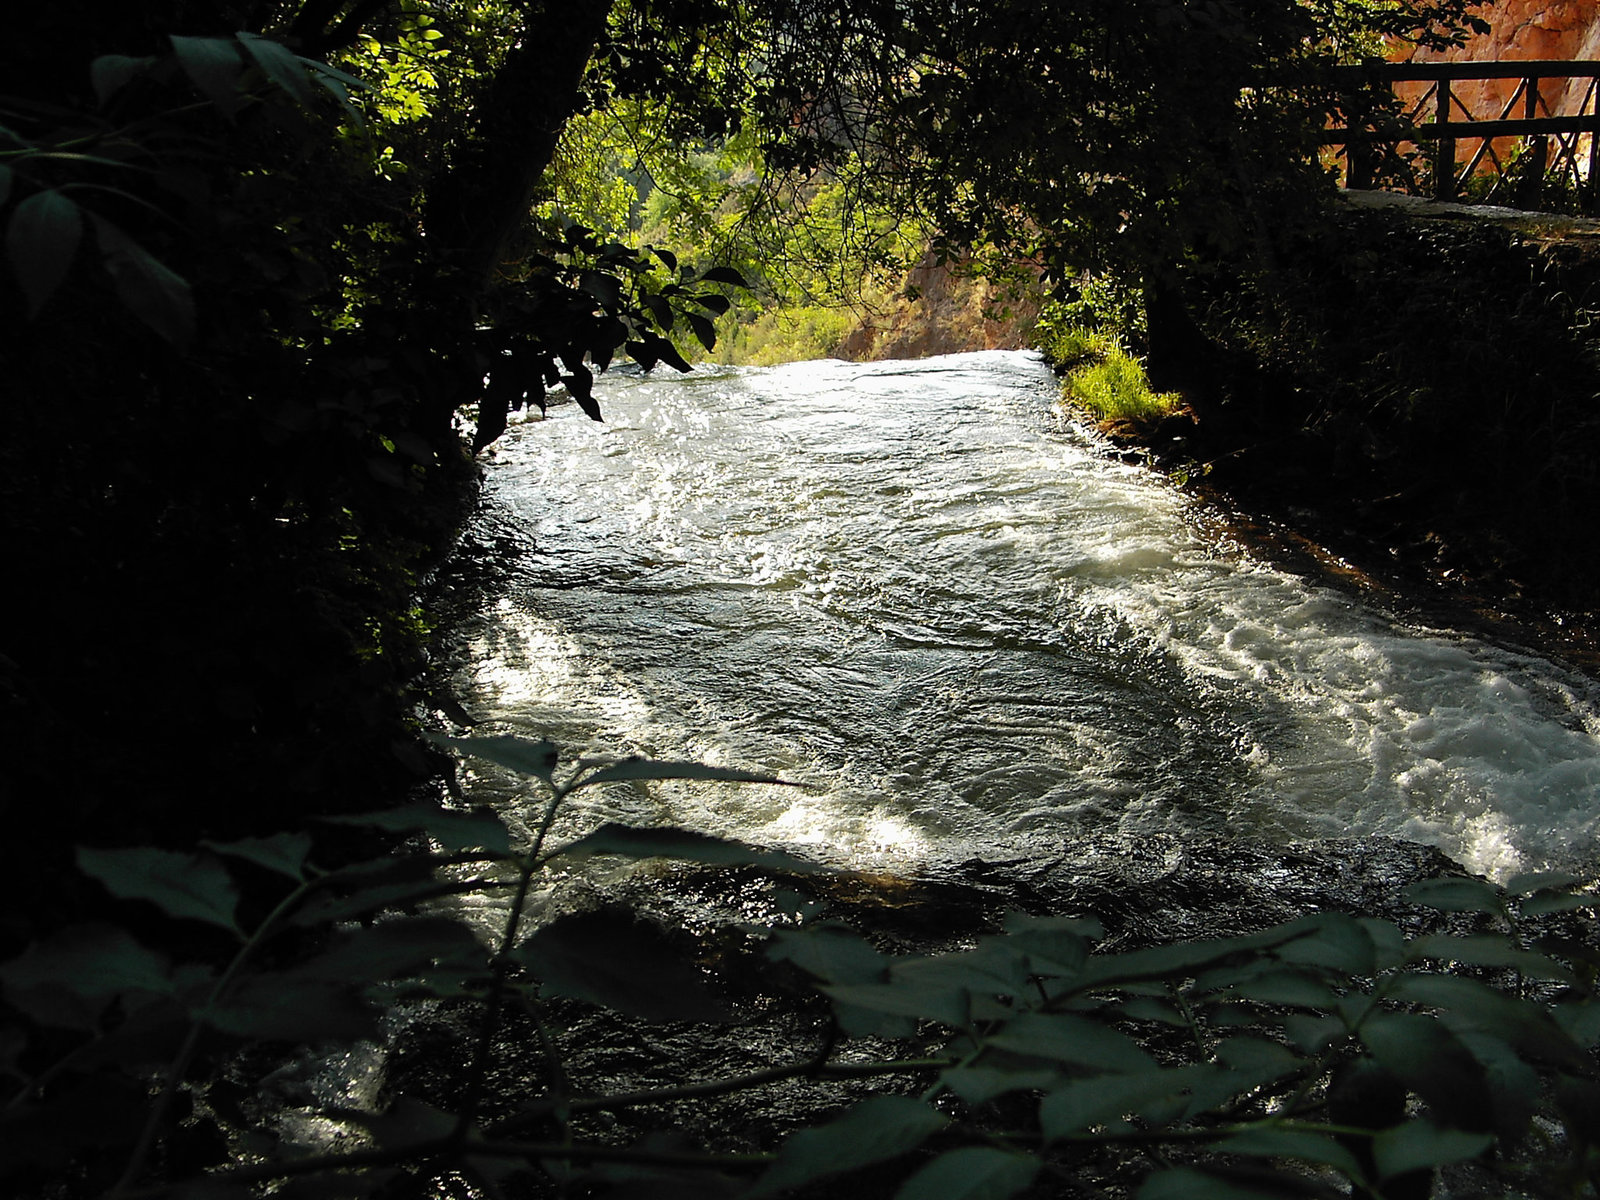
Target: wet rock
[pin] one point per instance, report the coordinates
(1146, 891)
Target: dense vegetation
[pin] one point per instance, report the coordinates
(1422, 389)
(274, 271)
(1330, 1052)
(248, 291)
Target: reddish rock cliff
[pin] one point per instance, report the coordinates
(1521, 30)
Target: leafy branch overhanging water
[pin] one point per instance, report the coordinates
(1330, 1048)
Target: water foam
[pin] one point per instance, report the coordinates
(919, 588)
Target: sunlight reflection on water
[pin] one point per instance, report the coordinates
(917, 588)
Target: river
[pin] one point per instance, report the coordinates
(923, 591)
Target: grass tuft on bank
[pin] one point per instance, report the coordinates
(1104, 379)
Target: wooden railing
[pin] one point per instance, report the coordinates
(1438, 121)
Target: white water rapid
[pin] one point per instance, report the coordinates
(919, 589)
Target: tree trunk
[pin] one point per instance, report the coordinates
(517, 123)
(1179, 357)
(475, 210)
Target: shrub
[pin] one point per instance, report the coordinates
(1329, 1052)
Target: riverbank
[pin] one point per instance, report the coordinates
(1406, 408)
(1412, 575)
(1064, 793)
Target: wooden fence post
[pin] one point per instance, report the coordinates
(1444, 172)
(1590, 192)
(1531, 184)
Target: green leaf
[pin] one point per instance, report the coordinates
(453, 829)
(194, 887)
(723, 275)
(1299, 989)
(1311, 1033)
(1267, 1141)
(1466, 1003)
(521, 755)
(1417, 1145)
(580, 386)
(280, 65)
(41, 241)
(661, 312)
(938, 989)
(1153, 1008)
(284, 853)
(643, 353)
(1431, 1061)
(669, 355)
(831, 952)
(406, 882)
(148, 288)
(1388, 943)
(215, 67)
(703, 330)
(1055, 946)
(1458, 894)
(605, 288)
(338, 84)
(1338, 943)
(627, 841)
(948, 1005)
(110, 73)
(612, 960)
(1068, 1038)
(1219, 1183)
(92, 963)
(1259, 1057)
(874, 1131)
(1489, 950)
(1550, 902)
(1076, 1107)
(367, 901)
(1540, 881)
(1513, 1085)
(979, 1085)
(343, 77)
(992, 968)
(1580, 1021)
(1167, 963)
(391, 950)
(647, 768)
(1214, 1086)
(282, 1009)
(971, 1173)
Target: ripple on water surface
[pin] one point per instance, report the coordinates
(921, 590)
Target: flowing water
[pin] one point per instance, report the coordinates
(921, 590)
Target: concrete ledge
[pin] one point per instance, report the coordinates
(1544, 226)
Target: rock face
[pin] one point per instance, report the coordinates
(1523, 30)
(942, 312)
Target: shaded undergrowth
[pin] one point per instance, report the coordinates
(1025, 1057)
